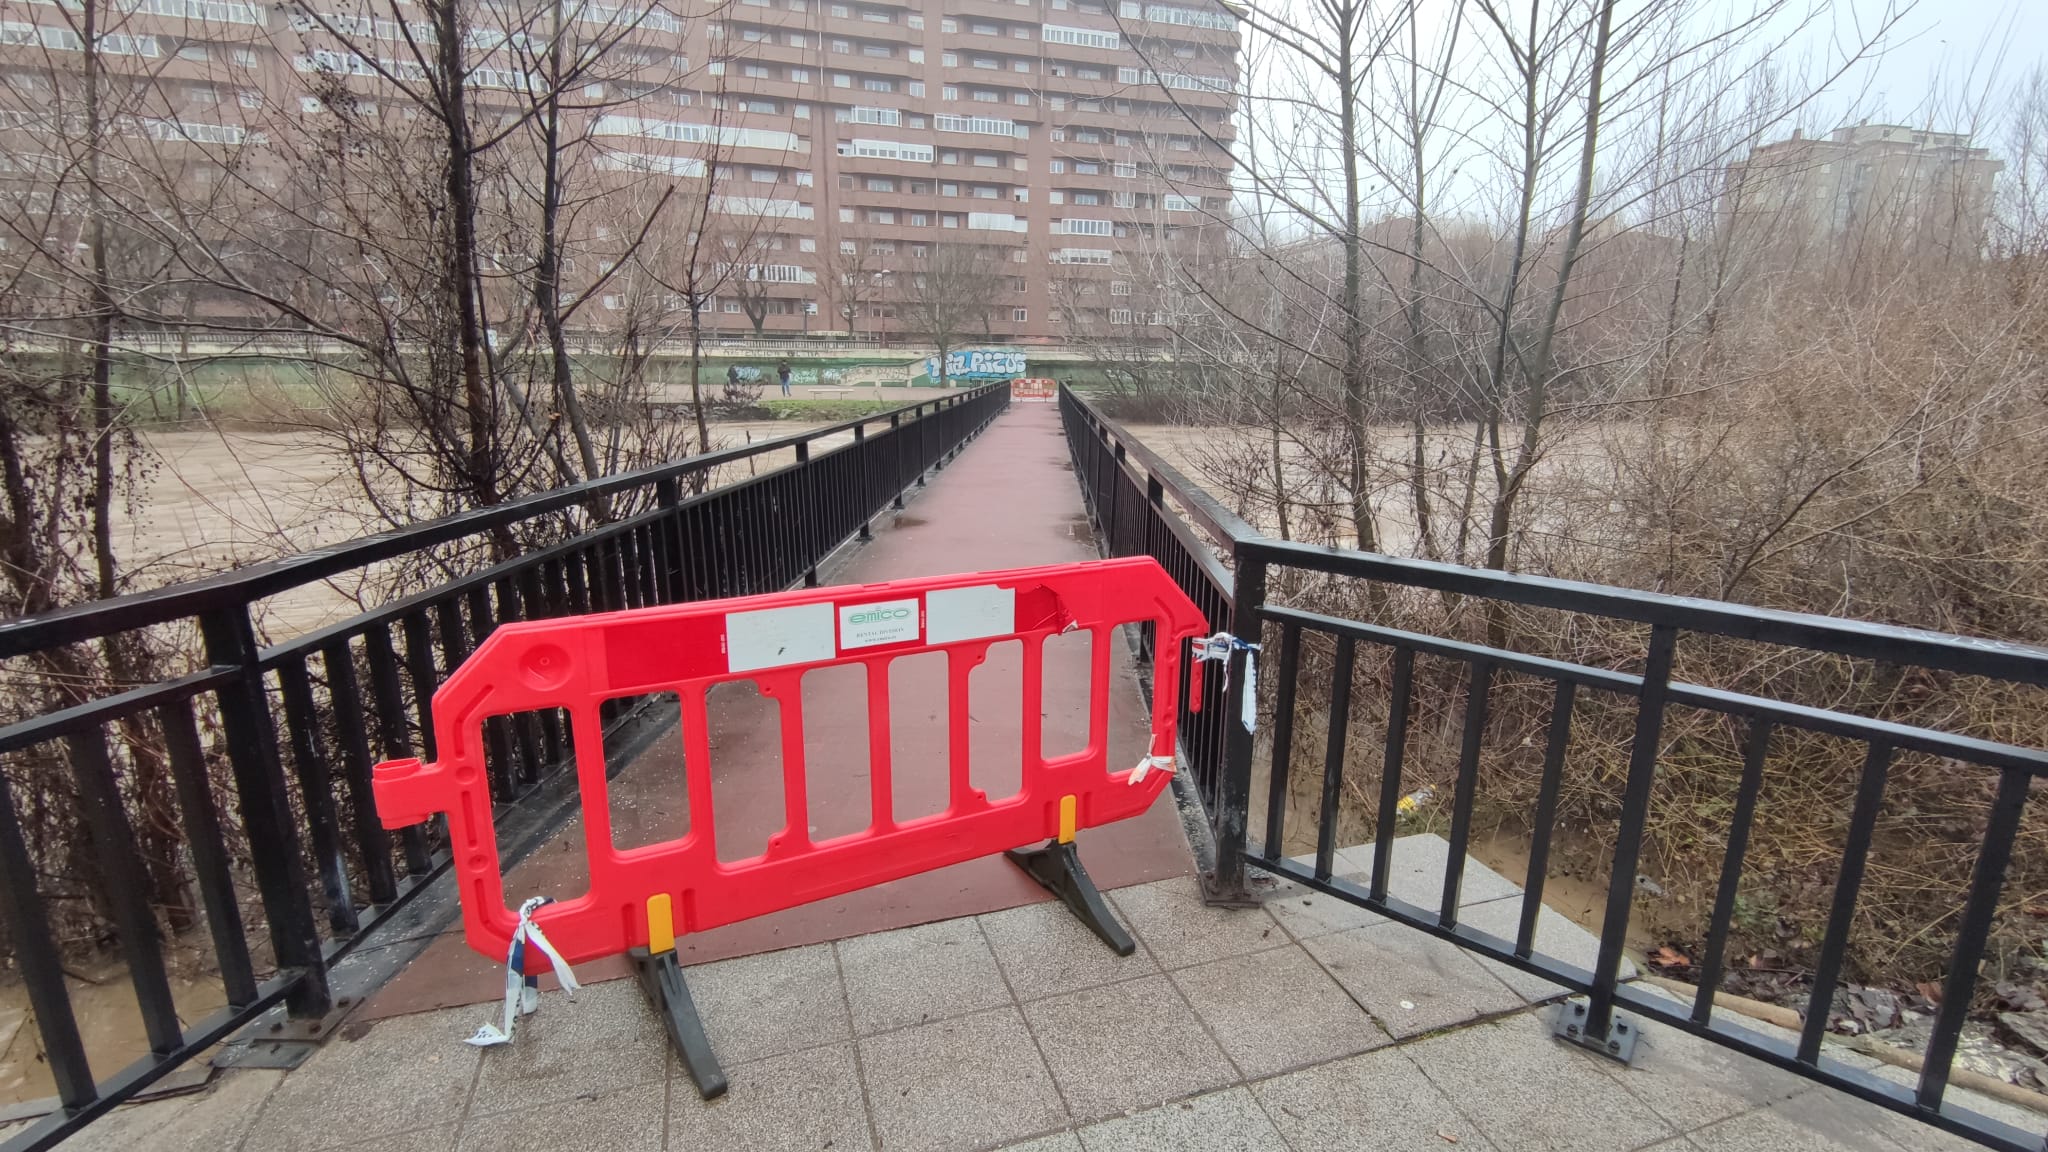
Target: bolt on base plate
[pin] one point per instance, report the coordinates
(1618, 1044)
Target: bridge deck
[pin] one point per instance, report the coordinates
(1008, 501)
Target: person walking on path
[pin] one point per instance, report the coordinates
(782, 374)
(732, 380)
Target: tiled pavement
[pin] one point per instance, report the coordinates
(1304, 1025)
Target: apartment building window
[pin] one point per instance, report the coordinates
(1126, 171)
(984, 96)
(915, 121)
(881, 216)
(920, 188)
(846, 215)
(949, 25)
(948, 188)
(920, 220)
(841, 80)
(845, 182)
(1021, 195)
(987, 161)
(988, 63)
(1087, 198)
(806, 244)
(948, 220)
(1119, 288)
(1017, 255)
(800, 75)
(718, 67)
(917, 89)
(917, 21)
(763, 175)
(1020, 98)
(766, 106)
(1119, 315)
(984, 192)
(882, 248)
(880, 184)
(949, 59)
(753, 35)
(1056, 103)
(804, 179)
(1052, 315)
(949, 92)
(1056, 166)
(917, 251)
(796, 40)
(1020, 31)
(873, 85)
(982, 28)
(1087, 168)
(849, 248)
(840, 11)
(1089, 74)
(250, 98)
(916, 55)
(842, 46)
(877, 17)
(731, 308)
(878, 51)
(244, 58)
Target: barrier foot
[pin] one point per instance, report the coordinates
(661, 978)
(1058, 867)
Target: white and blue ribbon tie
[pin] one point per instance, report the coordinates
(1145, 766)
(522, 991)
(1219, 647)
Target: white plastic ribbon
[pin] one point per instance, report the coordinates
(1163, 763)
(522, 992)
(1219, 647)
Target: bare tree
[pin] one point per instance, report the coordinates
(949, 297)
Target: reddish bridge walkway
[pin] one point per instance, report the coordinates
(1008, 501)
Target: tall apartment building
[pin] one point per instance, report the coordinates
(1886, 181)
(1061, 143)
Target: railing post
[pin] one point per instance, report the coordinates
(896, 457)
(251, 739)
(867, 477)
(1234, 790)
(668, 530)
(804, 485)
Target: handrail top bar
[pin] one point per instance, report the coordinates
(93, 619)
(1221, 522)
(1891, 643)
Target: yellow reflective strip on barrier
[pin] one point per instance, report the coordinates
(661, 925)
(1066, 819)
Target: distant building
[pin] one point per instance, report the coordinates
(1880, 182)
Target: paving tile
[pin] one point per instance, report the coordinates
(1044, 951)
(760, 1006)
(1691, 1082)
(964, 1082)
(1272, 1011)
(1379, 1100)
(438, 1138)
(399, 1075)
(1556, 937)
(1411, 981)
(1169, 916)
(1307, 914)
(628, 1120)
(803, 1100)
(606, 1038)
(917, 974)
(1227, 1121)
(1417, 875)
(1525, 1089)
(1124, 1046)
(1812, 1122)
(1057, 1142)
(215, 1118)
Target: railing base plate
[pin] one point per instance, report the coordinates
(1618, 1044)
(1057, 867)
(661, 978)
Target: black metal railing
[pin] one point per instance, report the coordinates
(1132, 493)
(308, 840)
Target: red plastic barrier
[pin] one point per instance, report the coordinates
(1034, 388)
(644, 897)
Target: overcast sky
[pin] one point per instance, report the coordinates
(1964, 40)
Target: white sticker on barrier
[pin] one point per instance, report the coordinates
(877, 622)
(773, 637)
(969, 613)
